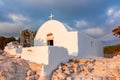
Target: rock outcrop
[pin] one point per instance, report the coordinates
(89, 69)
(14, 68)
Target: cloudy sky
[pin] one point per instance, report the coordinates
(95, 17)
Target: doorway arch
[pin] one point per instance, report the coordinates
(50, 39)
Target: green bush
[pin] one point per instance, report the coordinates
(111, 49)
(5, 40)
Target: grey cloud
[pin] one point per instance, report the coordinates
(67, 11)
(12, 29)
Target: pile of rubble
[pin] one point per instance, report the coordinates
(14, 68)
(89, 69)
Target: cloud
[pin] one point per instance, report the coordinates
(81, 23)
(110, 12)
(31, 2)
(95, 32)
(69, 8)
(112, 19)
(69, 28)
(113, 15)
(89, 13)
(56, 2)
(108, 37)
(17, 18)
(8, 29)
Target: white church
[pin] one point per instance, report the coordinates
(54, 43)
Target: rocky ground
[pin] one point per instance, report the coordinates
(110, 55)
(14, 68)
(89, 69)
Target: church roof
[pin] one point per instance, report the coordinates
(52, 26)
(57, 24)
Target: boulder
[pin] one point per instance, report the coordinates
(13, 69)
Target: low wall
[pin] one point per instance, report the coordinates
(37, 54)
(49, 56)
(11, 51)
(57, 55)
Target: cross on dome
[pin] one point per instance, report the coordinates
(51, 16)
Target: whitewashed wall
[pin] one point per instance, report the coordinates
(12, 51)
(69, 41)
(38, 54)
(61, 36)
(51, 26)
(98, 49)
(49, 56)
(89, 47)
(57, 55)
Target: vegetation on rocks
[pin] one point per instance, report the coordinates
(110, 51)
(116, 32)
(5, 40)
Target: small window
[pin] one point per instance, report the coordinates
(50, 42)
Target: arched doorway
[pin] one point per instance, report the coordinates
(50, 40)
